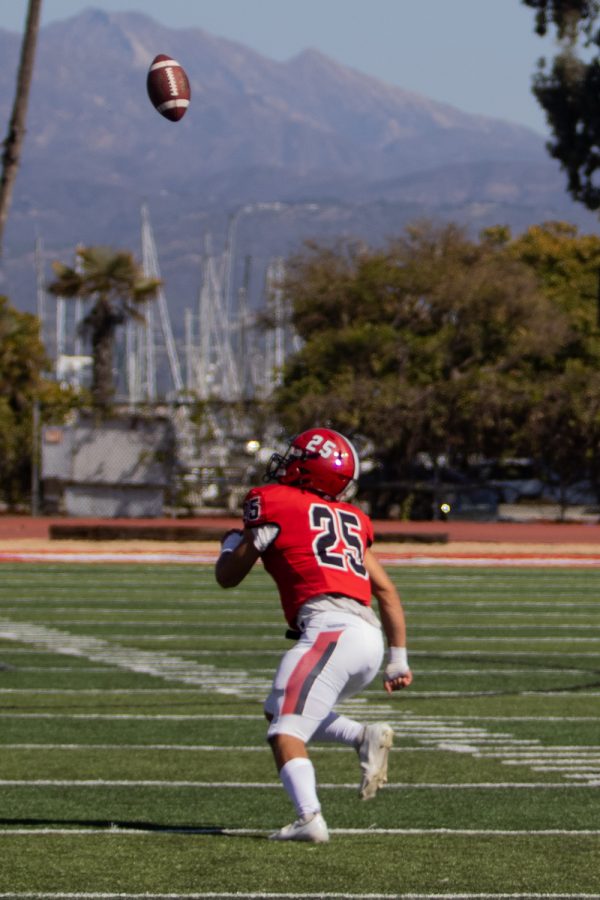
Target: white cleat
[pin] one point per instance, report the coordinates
(312, 828)
(373, 753)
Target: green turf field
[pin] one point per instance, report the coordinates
(133, 759)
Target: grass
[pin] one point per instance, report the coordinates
(133, 759)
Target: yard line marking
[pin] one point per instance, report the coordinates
(422, 637)
(169, 668)
(253, 785)
(550, 670)
(95, 670)
(460, 654)
(114, 828)
(445, 734)
(458, 693)
(166, 638)
(537, 617)
(491, 561)
(449, 654)
(209, 556)
(186, 624)
(481, 626)
(113, 618)
(191, 748)
(159, 717)
(512, 718)
(101, 691)
(211, 895)
(554, 751)
(112, 556)
(447, 673)
(504, 640)
(195, 748)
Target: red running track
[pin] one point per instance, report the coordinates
(24, 527)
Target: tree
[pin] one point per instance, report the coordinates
(569, 90)
(567, 265)
(22, 363)
(116, 287)
(564, 429)
(563, 425)
(16, 129)
(435, 344)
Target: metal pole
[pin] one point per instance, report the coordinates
(35, 475)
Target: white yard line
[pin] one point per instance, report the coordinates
(113, 829)
(388, 558)
(253, 785)
(185, 748)
(443, 733)
(249, 895)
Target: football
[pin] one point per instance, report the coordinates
(168, 87)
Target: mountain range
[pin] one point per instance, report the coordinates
(340, 153)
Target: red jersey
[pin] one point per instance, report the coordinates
(317, 546)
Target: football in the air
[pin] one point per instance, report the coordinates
(168, 87)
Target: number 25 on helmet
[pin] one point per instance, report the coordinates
(320, 460)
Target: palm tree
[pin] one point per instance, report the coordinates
(117, 287)
(16, 129)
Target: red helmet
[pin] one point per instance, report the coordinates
(319, 460)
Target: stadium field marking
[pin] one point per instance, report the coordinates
(257, 717)
(218, 680)
(391, 559)
(120, 603)
(186, 629)
(113, 829)
(445, 735)
(250, 895)
(169, 668)
(101, 691)
(424, 635)
(427, 612)
(190, 748)
(141, 717)
(97, 670)
(459, 638)
(442, 654)
(482, 616)
(253, 785)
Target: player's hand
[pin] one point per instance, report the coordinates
(396, 681)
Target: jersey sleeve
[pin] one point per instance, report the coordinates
(255, 509)
(260, 518)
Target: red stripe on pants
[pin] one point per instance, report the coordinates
(306, 667)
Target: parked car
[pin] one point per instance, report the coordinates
(515, 479)
(424, 493)
(473, 504)
(578, 493)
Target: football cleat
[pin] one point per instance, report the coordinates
(311, 828)
(373, 752)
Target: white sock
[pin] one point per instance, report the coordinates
(339, 730)
(299, 781)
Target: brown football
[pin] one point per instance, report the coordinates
(168, 87)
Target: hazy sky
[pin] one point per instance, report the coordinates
(478, 55)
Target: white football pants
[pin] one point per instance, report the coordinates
(337, 656)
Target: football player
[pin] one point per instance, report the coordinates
(316, 546)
